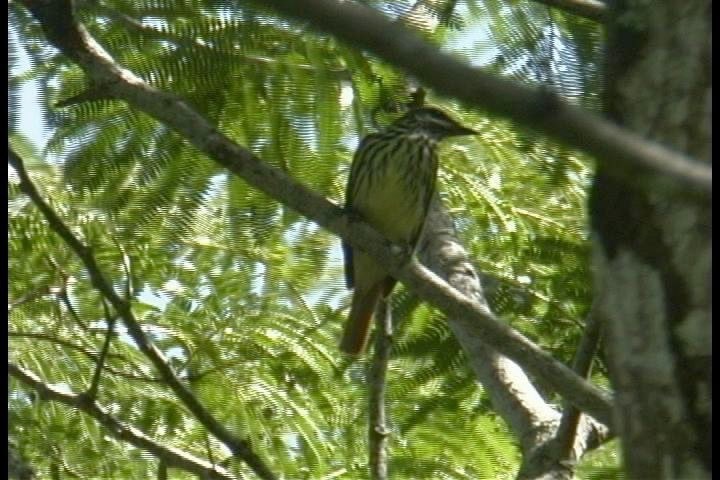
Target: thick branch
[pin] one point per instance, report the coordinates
(171, 456)
(512, 394)
(631, 158)
(73, 40)
(241, 448)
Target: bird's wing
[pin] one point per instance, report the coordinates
(347, 249)
(349, 273)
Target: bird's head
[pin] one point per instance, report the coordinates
(432, 122)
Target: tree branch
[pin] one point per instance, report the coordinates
(628, 156)
(196, 45)
(513, 396)
(100, 363)
(89, 354)
(556, 456)
(30, 296)
(75, 42)
(582, 365)
(590, 9)
(240, 447)
(171, 456)
(377, 422)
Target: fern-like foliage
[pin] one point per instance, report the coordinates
(244, 296)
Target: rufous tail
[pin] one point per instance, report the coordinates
(357, 327)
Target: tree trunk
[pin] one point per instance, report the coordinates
(652, 252)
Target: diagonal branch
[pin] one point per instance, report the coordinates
(512, 394)
(582, 365)
(533, 421)
(590, 9)
(72, 38)
(93, 356)
(629, 157)
(240, 447)
(169, 455)
(100, 363)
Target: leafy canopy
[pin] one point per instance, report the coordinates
(244, 296)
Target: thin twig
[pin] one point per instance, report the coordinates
(127, 267)
(582, 365)
(208, 448)
(63, 293)
(100, 364)
(378, 431)
(65, 299)
(91, 355)
(127, 433)
(71, 38)
(205, 47)
(240, 447)
(59, 341)
(28, 297)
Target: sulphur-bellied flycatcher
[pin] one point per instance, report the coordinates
(392, 180)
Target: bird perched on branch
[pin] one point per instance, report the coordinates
(392, 180)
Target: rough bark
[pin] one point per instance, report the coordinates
(534, 422)
(653, 253)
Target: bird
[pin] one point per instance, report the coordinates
(392, 179)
